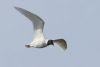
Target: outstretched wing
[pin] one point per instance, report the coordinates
(61, 42)
(37, 22)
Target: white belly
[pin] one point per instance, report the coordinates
(39, 44)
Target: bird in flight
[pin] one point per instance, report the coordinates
(39, 40)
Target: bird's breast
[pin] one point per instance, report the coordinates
(39, 44)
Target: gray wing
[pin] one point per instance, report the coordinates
(62, 43)
(37, 22)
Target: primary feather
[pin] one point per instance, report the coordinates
(38, 23)
(61, 42)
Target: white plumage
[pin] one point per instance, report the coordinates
(39, 40)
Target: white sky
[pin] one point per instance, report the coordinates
(77, 21)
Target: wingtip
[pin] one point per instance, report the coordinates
(64, 49)
(20, 9)
(17, 8)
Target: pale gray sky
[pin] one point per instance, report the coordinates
(77, 21)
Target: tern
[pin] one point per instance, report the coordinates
(39, 40)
